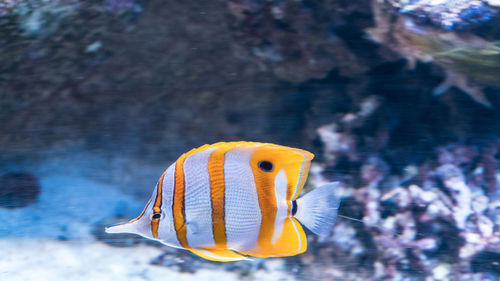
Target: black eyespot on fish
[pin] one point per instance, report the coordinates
(294, 207)
(266, 166)
(156, 216)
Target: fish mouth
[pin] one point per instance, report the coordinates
(120, 227)
(114, 228)
(124, 227)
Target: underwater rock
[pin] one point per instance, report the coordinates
(441, 272)
(337, 142)
(460, 192)
(179, 260)
(18, 190)
(447, 14)
(183, 261)
(116, 77)
(493, 210)
(468, 60)
(374, 171)
(47, 49)
(121, 6)
(486, 262)
(489, 167)
(296, 40)
(38, 13)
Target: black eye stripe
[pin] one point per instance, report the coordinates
(266, 166)
(156, 216)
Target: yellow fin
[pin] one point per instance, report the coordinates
(292, 242)
(293, 239)
(218, 255)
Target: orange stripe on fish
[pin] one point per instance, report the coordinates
(178, 206)
(267, 204)
(178, 202)
(155, 220)
(217, 194)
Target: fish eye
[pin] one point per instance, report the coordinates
(265, 166)
(156, 216)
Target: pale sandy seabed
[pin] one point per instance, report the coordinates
(52, 239)
(50, 260)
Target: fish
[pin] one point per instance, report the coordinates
(231, 201)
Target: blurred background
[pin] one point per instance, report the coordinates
(398, 100)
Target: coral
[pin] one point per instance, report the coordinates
(447, 14)
(440, 219)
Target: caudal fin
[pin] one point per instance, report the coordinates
(317, 210)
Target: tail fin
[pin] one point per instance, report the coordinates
(317, 209)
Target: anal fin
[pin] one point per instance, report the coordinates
(291, 242)
(218, 255)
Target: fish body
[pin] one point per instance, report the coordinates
(227, 201)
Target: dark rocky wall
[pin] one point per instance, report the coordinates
(150, 81)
